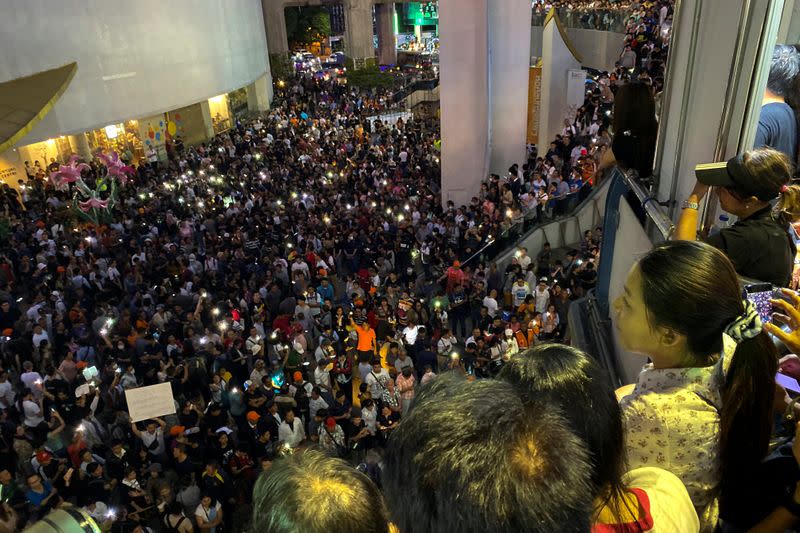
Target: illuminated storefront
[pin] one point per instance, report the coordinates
(123, 138)
(134, 140)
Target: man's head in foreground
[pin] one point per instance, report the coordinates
(469, 457)
(312, 492)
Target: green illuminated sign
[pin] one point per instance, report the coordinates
(423, 13)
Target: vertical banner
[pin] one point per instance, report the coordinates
(534, 101)
(576, 91)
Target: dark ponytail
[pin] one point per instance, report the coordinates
(704, 283)
(746, 420)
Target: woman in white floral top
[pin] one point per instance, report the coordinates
(702, 407)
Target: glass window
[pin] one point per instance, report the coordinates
(774, 108)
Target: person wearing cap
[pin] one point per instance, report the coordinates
(455, 277)
(758, 244)
(331, 436)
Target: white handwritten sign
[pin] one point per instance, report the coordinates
(150, 402)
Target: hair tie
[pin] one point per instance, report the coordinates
(745, 326)
(784, 188)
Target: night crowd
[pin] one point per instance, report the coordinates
(345, 354)
(295, 280)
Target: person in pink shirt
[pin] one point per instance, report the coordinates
(67, 367)
(406, 382)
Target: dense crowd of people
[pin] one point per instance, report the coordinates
(294, 279)
(343, 356)
(604, 15)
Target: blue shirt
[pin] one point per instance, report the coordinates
(325, 292)
(777, 128)
(36, 498)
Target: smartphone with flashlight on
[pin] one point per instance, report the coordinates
(760, 295)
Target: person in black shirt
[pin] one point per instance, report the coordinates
(358, 436)
(387, 422)
(758, 244)
(8, 315)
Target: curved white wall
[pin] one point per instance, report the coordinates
(598, 49)
(135, 58)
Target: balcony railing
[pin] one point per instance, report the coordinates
(589, 19)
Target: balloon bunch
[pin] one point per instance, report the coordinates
(93, 204)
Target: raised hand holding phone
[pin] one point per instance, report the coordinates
(790, 317)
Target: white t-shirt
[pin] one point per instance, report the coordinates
(541, 297)
(490, 304)
(6, 395)
(210, 514)
(377, 382)
(39, 337)
(410, 334)
(520, 292)
(668, 507)
(292, 435)
(316, 405)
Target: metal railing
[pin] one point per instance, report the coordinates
(623, 183)
(419, 85)
(558, 231)
(613, 20)
(590, 322)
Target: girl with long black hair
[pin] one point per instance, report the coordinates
(702, 408)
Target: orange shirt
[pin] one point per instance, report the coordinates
(366, 339)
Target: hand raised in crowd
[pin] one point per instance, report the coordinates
(790, 317)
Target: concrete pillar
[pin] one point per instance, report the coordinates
(557, 60)
(359, 45)
(153, 131)
(789, 31)
(80, 145)
(706, 85)
(258, 95)
(275, 26)
(208, 124)
(387, 43)
(464, 92)
(509, 42)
